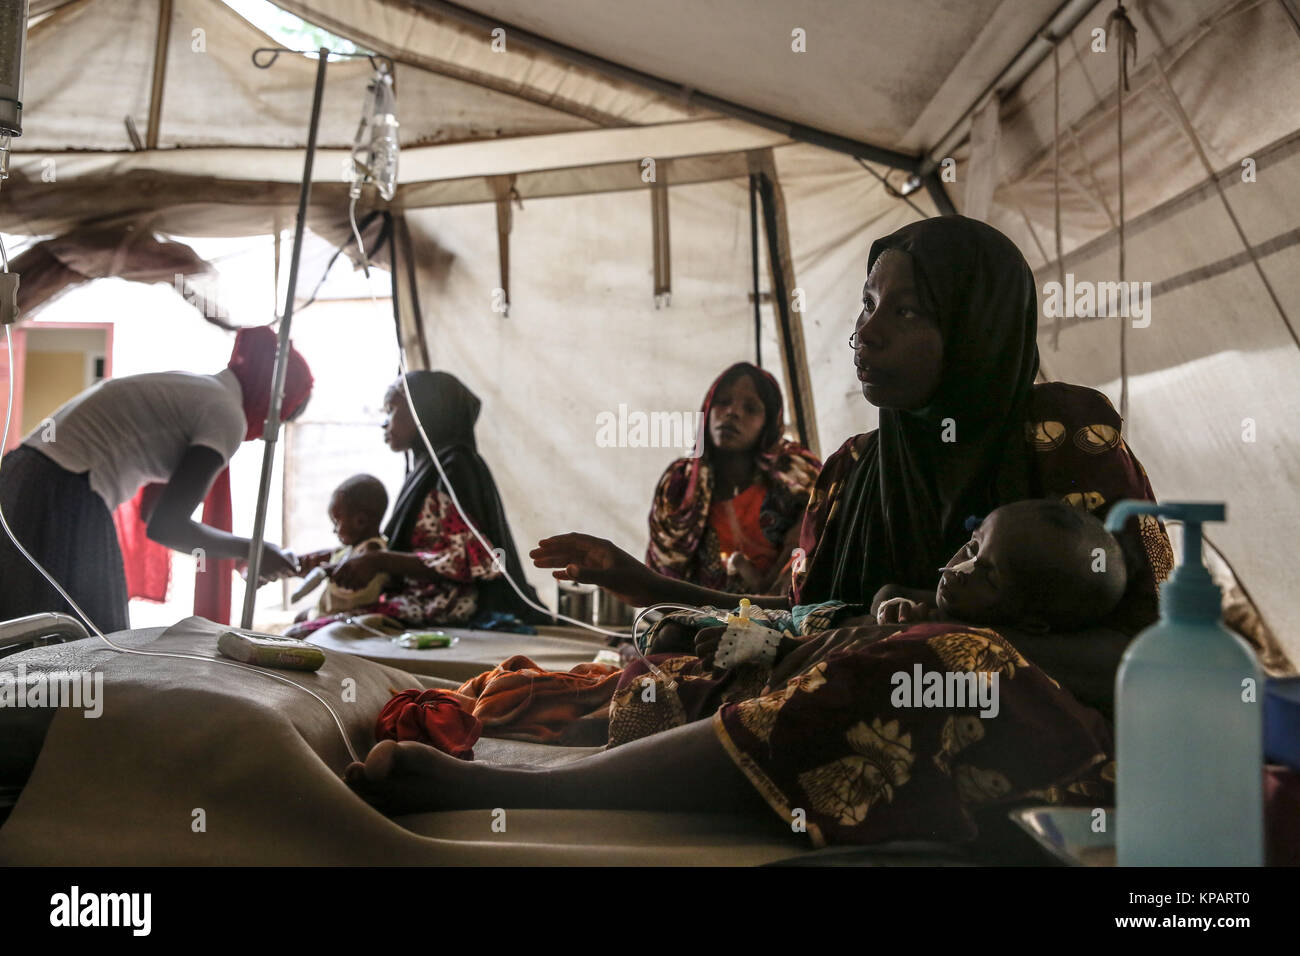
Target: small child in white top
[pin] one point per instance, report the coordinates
(356, 508)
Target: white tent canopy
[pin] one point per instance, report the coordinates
(563, 118)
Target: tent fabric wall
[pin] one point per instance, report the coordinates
(1237, 103)
(76, 74)
(582, 339)
(1213, 379)
(50, 268)
(583, 335)
(413, 36)
(748, 53)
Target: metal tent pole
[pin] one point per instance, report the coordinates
(272, 431)
(753, 255)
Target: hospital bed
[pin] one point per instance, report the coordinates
(23, 729)
(194, 763)
(39, 630)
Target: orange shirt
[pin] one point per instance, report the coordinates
(736, 523)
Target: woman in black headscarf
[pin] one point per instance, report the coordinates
(440, 572)
(902, 499)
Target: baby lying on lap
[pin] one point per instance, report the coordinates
(1038, 565)
(356, 508)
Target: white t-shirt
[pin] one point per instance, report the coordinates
(128, 432)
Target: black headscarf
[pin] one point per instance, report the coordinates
(448, 411)
(905, 507)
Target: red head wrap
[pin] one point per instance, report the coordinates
(253, 362)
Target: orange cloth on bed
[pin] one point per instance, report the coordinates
(519, 700)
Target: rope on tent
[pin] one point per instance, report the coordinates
(1032, 234)
(1094, 190)
(1125, 42)
(1190, 130)
(1097, 194)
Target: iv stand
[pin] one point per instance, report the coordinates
(271, 433)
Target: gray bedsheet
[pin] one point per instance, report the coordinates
(195, 763)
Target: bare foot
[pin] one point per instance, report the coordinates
(408, 777)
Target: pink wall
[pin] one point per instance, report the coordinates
(20, 353)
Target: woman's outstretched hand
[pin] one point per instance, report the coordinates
(589, 560)
(276, 564)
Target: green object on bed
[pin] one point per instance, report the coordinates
(421, 640)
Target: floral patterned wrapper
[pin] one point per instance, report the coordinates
(833, 749)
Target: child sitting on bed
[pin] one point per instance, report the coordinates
(1038, 565)
(356, 508)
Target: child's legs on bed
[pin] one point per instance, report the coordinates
(683, 769)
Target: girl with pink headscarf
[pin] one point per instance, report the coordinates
(158, 443)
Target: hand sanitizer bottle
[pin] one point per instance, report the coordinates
(1188, 724)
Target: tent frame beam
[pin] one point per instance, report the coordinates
(404, 251)
(159, 72)
(938, 195)
(1292, 10)
(789, 325)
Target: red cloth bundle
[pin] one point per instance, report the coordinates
(434, 717)
(519, 700)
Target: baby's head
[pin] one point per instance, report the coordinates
(1035, 564)
(356, 508)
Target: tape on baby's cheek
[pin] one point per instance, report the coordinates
(963, 568)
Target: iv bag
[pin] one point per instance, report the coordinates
(375, 151)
